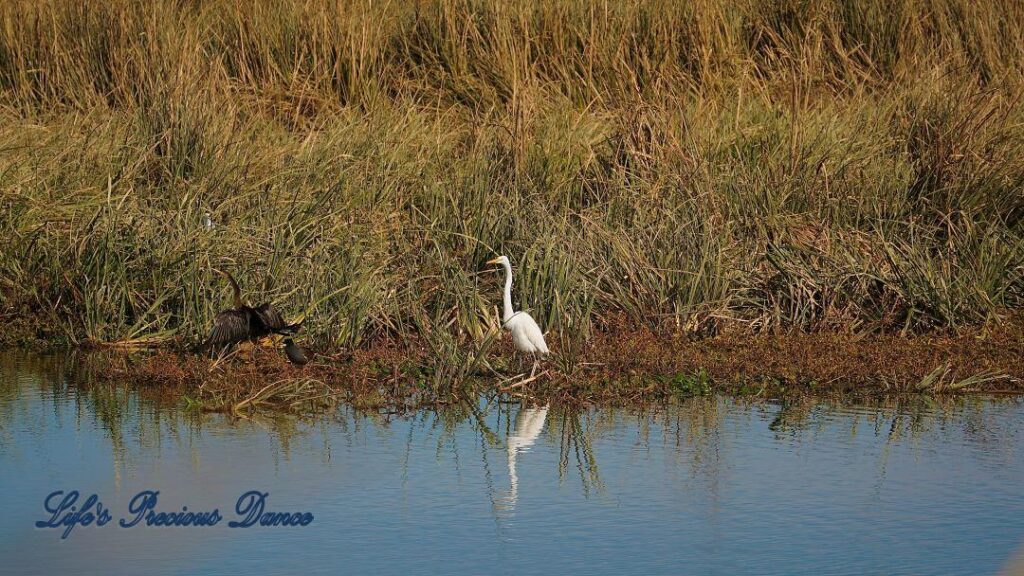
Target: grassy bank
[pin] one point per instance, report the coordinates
(698, 168)
(623, 367)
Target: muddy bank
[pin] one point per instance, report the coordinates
(615, 367)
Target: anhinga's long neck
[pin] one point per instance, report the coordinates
(508, 312)
(235, 290)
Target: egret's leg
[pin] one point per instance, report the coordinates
(534, 369)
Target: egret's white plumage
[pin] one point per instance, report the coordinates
(526, 334)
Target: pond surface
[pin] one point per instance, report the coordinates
(704, 486)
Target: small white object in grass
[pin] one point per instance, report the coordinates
(208, 221)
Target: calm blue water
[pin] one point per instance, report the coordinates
(710, 486)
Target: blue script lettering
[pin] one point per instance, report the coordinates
(143, 507)
(142, 502)
(67, 510)
(251, 507)
(63, 512)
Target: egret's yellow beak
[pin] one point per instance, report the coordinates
(494, 260)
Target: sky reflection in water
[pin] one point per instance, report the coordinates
(707, 486)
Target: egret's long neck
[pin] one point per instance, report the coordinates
(508, 312)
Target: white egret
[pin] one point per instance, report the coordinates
(526, 334)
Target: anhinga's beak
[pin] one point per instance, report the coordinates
(494, 260)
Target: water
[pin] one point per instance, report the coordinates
(709, 486)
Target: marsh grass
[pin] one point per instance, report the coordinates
(770, 165)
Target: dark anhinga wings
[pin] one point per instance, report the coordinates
(272, 321)
(243, 322)
(229, 328)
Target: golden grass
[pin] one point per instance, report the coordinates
(767, 165)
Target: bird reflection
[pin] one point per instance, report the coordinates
(529, 425)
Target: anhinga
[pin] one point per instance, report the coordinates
(245, 323)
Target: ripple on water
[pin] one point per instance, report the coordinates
(704, 486)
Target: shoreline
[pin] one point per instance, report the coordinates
(620, 367)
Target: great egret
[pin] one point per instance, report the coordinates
(526, 334)
(243, 322)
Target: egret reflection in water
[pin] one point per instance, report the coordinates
(529, 425)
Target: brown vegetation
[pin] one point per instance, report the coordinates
(618, 367)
